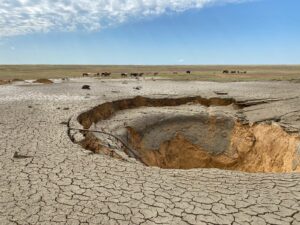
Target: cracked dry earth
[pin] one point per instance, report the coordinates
(47, 179)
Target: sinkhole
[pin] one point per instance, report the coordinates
(188, 133)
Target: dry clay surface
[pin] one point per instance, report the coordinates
(47, 179)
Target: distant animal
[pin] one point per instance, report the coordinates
(124, 74)
(86, 87)
(105, 74)
(226, 71)
(97, 74)
(85, 74)
(188, 72)
(134, 75)
(141, 74)
(156, 73)
(233, 71)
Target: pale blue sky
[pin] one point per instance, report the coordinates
(248, 32)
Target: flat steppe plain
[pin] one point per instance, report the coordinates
(47, 179)
(204, 73)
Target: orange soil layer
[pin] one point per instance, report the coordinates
(260, 148)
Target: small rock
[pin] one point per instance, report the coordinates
(86, 87)
(137, 88)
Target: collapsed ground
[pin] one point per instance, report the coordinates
(47, 179)
(190, 132)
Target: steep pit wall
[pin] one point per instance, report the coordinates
(106, 110)
(258, 148)
(219, 143)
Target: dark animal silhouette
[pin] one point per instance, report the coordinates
(188, 72)
(124, 74)
(226, 71)
(134, 75)
(105, 74)
(85, 74)
(156, 73)
(86, 87)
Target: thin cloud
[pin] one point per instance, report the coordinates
(19, 17)
(180, 60)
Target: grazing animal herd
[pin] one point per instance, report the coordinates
(137, 75)
(107, 74)
(234, 72)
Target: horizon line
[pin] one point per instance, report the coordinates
(50, 64)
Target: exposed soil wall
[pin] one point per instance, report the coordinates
(260, 148)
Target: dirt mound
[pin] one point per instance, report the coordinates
(43, 81)
(17, 79)
(2, 82)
